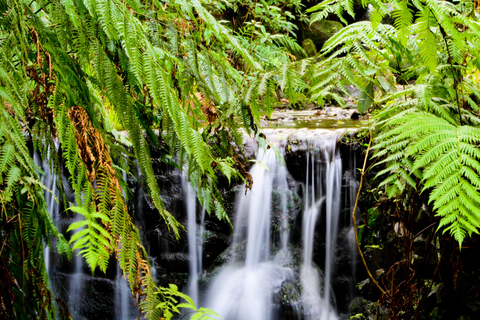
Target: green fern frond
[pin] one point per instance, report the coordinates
(447, 154)
(325, 8)
(427, 43)
(91, 237)
(403, 20)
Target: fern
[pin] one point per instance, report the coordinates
(422, 139)
(92, 239)
(172, 296)
(403, 20)
(428, 43)
(447, 156)
(66, 67)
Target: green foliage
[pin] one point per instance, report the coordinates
(403, 20)
(25, 225)
(365, 99)
(76, 71)
(171, 297)
(426, 133)
(91, 237)
(448, 156)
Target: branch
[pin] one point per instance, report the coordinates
(355, 221)
(450, 60)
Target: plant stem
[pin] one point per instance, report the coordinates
(450, 60)
(355, 221)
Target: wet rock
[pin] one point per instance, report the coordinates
(355, 115)
(309, 47)
(92, 298)
(290, 299)
(235, 252)
(215, 242)
(350, 105)
(352, 90)
(298, 143)
(320, 31)
(174, 261)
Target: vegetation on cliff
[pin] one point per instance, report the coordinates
(417, 66)
(78, 72)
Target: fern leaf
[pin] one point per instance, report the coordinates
(403, 20)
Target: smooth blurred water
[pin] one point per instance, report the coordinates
(244, 288)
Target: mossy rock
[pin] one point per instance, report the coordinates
(309, 47)
(320, 31)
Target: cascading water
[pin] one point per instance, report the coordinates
(124, 302)
(75, 283)
(195, 236)
(282, 263)
(245, 288)
(49, 180)
(322, 188)
(352, 184)
(68, 279)
(248, 287)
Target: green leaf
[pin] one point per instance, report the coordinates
(365, 99)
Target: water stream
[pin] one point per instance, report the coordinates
(283, 257)
(248, 287)
(195, 239)
(245, 288)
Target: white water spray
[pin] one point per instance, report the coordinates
(322, 188)
(195, 240)
(244, 288)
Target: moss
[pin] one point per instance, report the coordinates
(309, 47)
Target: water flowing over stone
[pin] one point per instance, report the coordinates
(245, 288)
(284, 260)
(323, 187)
(87, 297)
(124, 302)
(195, 242)
(249, 286)
(49, 180)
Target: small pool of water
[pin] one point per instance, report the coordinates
(316, 124)
(330, 118)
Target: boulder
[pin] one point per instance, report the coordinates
(309, 47)
(320, 31)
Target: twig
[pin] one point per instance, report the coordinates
(419, 233)
(436, 270)
(450, 60)
(355, 221)
(187, 314)
(23, 261)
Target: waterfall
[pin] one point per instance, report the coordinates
(195, 236)
(49, 180)
(245, 288)
(283, 261)
(77, 280)
(124, 302)
(323, 188)
(312, 301)
(333, 181)
(248, 287)
(350, 198)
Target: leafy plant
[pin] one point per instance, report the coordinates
(171, 296)
(426, 133)
(72, 73)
